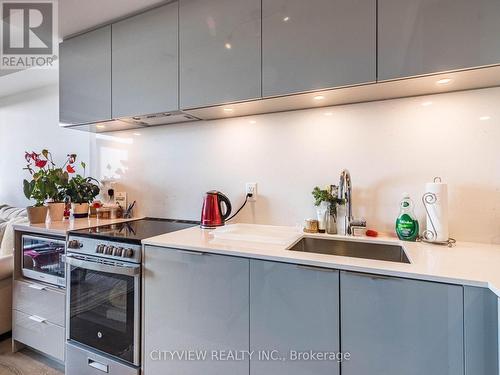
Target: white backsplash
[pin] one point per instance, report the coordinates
(390, 147)
(29, 121)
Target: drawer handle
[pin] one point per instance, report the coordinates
(98, 366)
(37, 287)
(312, 268)
(191, 252)
(37, 319)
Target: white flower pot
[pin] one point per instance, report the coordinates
(80, 210)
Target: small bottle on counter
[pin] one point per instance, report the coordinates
(311, 226)
(407, 227)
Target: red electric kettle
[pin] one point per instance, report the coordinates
(212, 215)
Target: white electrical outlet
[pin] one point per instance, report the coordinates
(251, 188)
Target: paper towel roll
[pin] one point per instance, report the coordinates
(438, 211)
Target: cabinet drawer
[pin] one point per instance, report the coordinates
(37, 299)
(39, 334)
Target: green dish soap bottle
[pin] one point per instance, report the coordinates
(407, 227)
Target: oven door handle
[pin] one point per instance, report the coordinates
(132, 270)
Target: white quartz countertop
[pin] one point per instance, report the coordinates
(60, 228)
(466, 263)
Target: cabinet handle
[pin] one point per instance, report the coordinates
(98, 366)
(37, 287)
(37, 319)
(312, 268)
(374, 276)
(191, 252)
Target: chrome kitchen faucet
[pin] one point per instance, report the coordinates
(345, 193)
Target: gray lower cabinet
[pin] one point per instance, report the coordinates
(196, 302)
(220, 51)
(481, 331)
(38, 317)
(85, 78)
(145, 63)
(394, 326)
(426, 36)
(309, 45)
(293, 310)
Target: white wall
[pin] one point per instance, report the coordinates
(390, 147)
(29, 121)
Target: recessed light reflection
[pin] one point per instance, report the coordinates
(319, 97)
(137, 134)
(328, 113)
(228, 46)
(286, 19)
(444, 81)
(426, 104)
(484, 118)
(228, 110)
(252, 122)
(100, 126)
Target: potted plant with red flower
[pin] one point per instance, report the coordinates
(81, 190)
(36, 188)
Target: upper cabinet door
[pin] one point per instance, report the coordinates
(145, 63)
(85, 77)
(428, 36)
(316, 44)
(220, 49)
(393, 326)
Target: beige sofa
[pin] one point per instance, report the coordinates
(8, 217)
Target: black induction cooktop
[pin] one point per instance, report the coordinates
(134, 231)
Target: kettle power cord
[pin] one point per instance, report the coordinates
(243, 205)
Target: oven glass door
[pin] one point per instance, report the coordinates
(43, 258)
(103, 312)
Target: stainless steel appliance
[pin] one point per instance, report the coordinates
(43, 258)
(103, 266)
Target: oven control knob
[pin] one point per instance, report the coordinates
(117, 252)
(99, 248)
(128, 253)
(74, 244)
(109, 250)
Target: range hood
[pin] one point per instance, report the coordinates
(135, 122)
(468, 79)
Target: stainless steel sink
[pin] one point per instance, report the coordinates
(355, 249)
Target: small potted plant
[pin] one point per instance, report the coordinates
(326, 201)
(82, 191)
(36, 188)
(57, 179)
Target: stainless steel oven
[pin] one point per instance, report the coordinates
(103, 303)
(43, 258)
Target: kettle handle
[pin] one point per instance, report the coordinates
(227, 203)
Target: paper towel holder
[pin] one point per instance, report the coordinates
(429, 235)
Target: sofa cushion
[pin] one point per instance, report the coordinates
(7, 243)
(3, 226)
(8, 212)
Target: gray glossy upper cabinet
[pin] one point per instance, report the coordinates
(308, 45)
(426, 36)
(481, 331)
(196, 302)
(293, 308)
(395, 326)
(145, 62)
(85, 77)
(220, 49)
